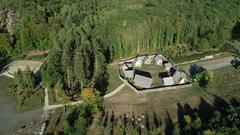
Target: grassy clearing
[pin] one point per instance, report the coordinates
(11, 120)
(35, 100)
(127, 101)
(114, 81)
(194, 56)
(164, 105)
(227, 82)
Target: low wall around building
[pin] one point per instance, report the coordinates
(167, 88)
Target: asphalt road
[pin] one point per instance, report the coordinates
(209, 64)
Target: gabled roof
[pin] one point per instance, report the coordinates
(143, 79)
(168, 81)
(129, 73)
(129, 64)
(139, 59)
(149, 57)
(124, 66)
(158, 57)
(168, 65)
(178, 76)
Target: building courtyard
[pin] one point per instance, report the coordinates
(151, 71)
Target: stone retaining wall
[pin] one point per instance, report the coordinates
(166, 88)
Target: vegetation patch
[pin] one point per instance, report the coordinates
(113, 80)
(25, 90)
(227, 82)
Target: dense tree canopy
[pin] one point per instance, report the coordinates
(221, 123)
(89, 33)
(25, 79)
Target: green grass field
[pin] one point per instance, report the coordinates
(11, 120)
(36, 100)
(114, 81)
(227, 83)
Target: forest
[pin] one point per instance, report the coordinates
(83, 36)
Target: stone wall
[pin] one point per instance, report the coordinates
(167, 88)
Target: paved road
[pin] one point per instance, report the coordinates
(209, 64)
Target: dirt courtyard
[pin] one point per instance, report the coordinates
(13, 67)
(166, 102)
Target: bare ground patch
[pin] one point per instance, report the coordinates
(129, 102)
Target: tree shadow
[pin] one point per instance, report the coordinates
(147, 122)
(234, 102)
(101, 83)
(105, 121)
(220, 104)
(169, 125)
(73, 116)
(180, 112)
(205, 110)
(189, 110)
(236, 31)
(195, 69)
(156, 120)
(112, 119)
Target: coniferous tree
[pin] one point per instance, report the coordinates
(79, 70)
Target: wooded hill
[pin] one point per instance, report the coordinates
(85, 34)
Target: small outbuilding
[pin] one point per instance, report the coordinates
(179, 77)
(143, 79)
(139, 61)
(168, 66)
(124, 66)
(148, 59)
(158, 60)
(128, 73)
(167, 81)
